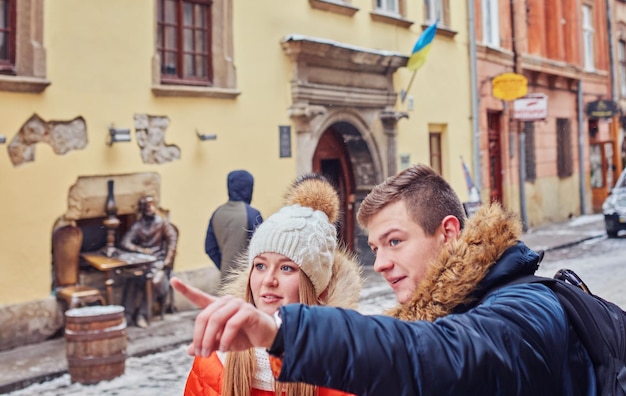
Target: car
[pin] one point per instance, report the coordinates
(614, 207)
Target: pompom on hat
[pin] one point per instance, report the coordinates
(304, 230)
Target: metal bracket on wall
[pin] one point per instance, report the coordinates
(117, 135)
(204, 137)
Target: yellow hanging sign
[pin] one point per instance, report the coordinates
(509, 86)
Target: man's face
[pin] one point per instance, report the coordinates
(149, 208)
(402, 248)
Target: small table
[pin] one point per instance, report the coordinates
(123, 261)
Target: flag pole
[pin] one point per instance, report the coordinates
(403, 93)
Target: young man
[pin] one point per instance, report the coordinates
(457, 335)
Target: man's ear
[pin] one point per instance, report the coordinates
(451, 227)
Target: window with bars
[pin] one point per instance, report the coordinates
(529, 151)
(184, 41)
(564, 155)
(435, 152)
(588, 37)
(7, 36)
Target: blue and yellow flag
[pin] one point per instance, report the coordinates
(422, 48)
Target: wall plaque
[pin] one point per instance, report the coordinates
(284, 138)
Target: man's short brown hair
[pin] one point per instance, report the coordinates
(428, 198)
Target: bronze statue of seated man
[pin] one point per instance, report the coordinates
(153, 235)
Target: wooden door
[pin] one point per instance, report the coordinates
(603, 173)
(332, 160)
(495, 156)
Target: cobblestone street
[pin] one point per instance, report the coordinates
(158, 374)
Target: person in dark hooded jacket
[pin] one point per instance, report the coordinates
(233, 223)
(461, 326)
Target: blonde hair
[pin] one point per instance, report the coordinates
(240, 367)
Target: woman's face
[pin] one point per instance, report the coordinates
(274, 282)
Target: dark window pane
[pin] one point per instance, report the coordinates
(201, 41)
(170, 11)
(188, 65)
(187, 14)
(188, 40)
(170, 38)
(529, 151)
(435, 151)
(4, 49)
(169, 63)
(201, 66)
(564, 148)
(201, 12)
(4, 14)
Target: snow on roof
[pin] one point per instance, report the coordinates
(299, 37)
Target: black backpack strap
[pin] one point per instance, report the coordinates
(599, 324)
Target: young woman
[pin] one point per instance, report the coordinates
(292, 257)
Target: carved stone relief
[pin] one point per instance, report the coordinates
(150, 131)
(62, 136)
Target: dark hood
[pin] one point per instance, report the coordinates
(240, 185)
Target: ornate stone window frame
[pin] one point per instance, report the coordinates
(30, 58)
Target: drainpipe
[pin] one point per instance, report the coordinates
(613, 72)
(581, 143)
(521, 142)
(615, 128)
(474, 94)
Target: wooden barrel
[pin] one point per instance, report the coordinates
(95, 343)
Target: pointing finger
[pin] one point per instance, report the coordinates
(196, 296)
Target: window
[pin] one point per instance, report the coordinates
(491, 27)
(7, 36)
(565, 162)
(389, 6)
(194, 53)
(437, 10)
(588, 34)
(184, 41)
(392, 12)
(621, 49)
(22, 53)
(529, 151)
(435, 151)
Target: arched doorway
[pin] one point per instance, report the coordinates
(331, 159)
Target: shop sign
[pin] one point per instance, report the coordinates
(532, 107)
(602, 109)
(509, 86)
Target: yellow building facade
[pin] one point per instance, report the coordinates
(276, 88)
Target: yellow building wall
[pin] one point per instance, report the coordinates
(441, 94)
(99, 62)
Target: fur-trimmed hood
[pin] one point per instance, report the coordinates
(465, 269)
(343, 290)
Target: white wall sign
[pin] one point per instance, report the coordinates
(531, 107)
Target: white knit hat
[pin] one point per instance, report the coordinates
(301, 233)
